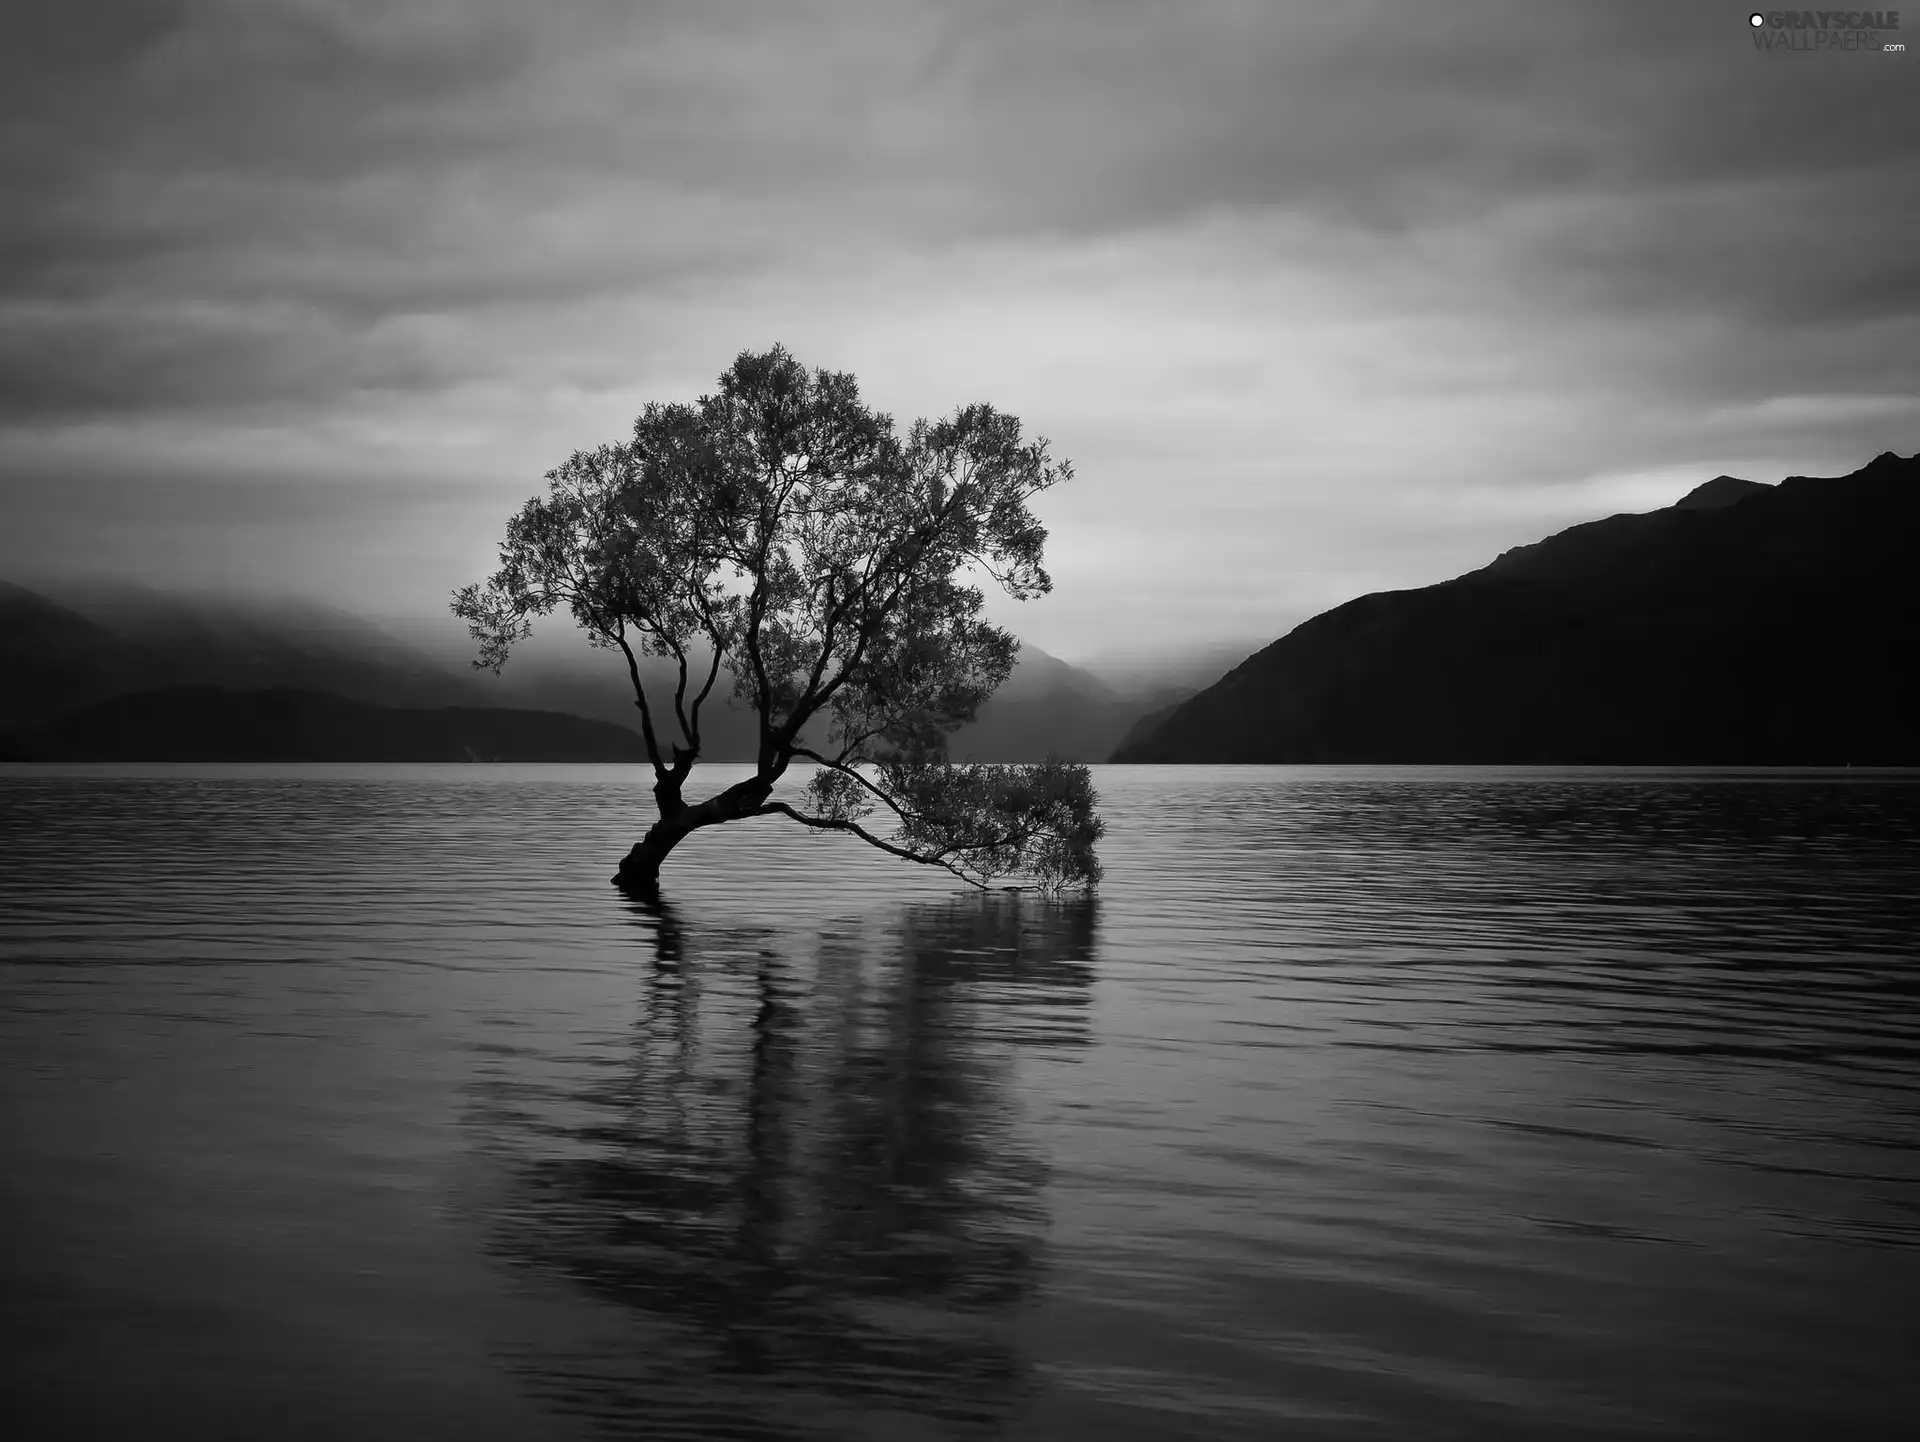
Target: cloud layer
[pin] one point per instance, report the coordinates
(1321, 298)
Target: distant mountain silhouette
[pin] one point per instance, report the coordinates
(1747, 624)
(1717, 493)
(1144, 728)
(557, 670)
(92, 643)
(1161, 675)
(1046, 707)
(52, 659)
(207, 723)
(97, 641)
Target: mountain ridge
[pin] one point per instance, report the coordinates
(1758, 625)
(213, 723)
(90, 644)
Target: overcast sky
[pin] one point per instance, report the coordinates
(1321, 298)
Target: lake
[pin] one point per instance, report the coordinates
(1360, 1102)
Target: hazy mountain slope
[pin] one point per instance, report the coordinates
(99, 641)
(1144, 728)
(261, 643)
(53, 659)
(1163, 677)
(557, 670)
(1746, 625)
(204, 723)
(1046, 708)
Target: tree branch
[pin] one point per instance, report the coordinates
(640, 699)
(713, 670)
(829, 626)
(823, 823)
(680, 697)
(844, 770)
(818, 697)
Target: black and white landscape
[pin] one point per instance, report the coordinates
(931, 720)
(1746, 624)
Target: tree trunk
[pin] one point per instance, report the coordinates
(640, 868)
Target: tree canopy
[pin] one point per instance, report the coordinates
(781, 535)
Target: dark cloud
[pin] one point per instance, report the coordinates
(1575, 239)
(1031, 117)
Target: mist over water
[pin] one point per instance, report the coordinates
(1359, 1102)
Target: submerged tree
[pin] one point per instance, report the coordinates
(781, 533)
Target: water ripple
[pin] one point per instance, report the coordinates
(1361, 1102)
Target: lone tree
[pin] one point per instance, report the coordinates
(781, 532)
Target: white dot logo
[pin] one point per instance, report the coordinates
(1756, 20)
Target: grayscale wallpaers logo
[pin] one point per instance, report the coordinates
(1825, 30)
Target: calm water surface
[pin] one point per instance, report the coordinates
(353, 1102)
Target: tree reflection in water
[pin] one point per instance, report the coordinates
(809, 1180)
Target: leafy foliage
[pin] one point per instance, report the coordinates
(781, 532)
